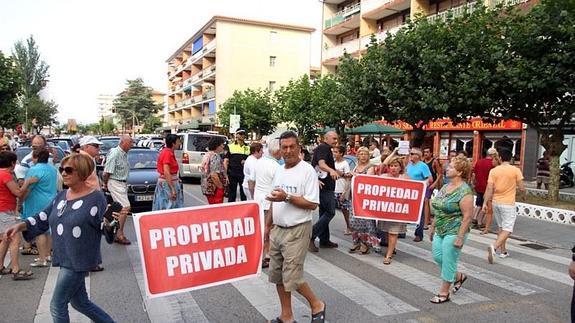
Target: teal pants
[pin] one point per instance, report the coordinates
(446, 256)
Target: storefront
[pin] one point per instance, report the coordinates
(476, 136)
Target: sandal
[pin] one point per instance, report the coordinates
(354, 248)
(266, 263)
(459, 283)
(387, 261)
(39, 263)
(97, 269)
(439, 299)
(22, 275)
(29, 252)
(364, 249)
(122, 240)
(5, 271)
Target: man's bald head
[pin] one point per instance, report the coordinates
(330, 138)
(125, 142)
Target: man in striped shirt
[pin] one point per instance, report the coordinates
(115, 179)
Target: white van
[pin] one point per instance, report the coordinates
(194, 147)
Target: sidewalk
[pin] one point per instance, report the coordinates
(533, 184)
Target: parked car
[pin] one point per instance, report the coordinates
(22, 151)
(142, 179)
(108, 143)
(194, 147)
(65, 143)
(156, 143)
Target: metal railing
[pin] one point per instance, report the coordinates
(343, 15)
(369, 5)
(347, 47)
(454, 12)
(507, 3)
(379, 37)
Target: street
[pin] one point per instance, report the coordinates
(529, 286)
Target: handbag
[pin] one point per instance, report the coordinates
(210, 188)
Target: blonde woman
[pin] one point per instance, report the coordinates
(453, 209)
(364, 231)
(396, 169)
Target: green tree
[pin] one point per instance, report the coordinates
(540, 72)
(151, 123)
(135, 103)
(106, 127)
(294, 106)
(34, 76)
(9, 90)
(256, 108)
(40, 113)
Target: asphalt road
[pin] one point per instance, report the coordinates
(530, 286)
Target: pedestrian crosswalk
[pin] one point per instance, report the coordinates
(416, 269)
(360, 287)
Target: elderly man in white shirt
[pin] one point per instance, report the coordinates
(295, 196)
(264, 172)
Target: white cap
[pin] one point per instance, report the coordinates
(87, 140)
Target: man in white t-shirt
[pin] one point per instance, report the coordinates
(295, 196)
(264, 172)
(249, 183)
(342, 184)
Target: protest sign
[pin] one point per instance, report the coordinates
(192, 248)
(387, 198)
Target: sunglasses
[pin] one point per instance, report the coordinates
(94, 145)
(417, 154)
(68, 170)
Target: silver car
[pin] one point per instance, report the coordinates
(194, 147)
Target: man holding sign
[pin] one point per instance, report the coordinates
(295, 196)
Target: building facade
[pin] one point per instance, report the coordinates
(105, 104)
(348, 25)
(229, 54)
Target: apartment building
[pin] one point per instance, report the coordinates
(229, 54)
(105, 104)
(349, 24)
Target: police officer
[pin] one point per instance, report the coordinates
(237, 153)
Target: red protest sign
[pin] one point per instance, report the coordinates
(387, 198)
(198, 247)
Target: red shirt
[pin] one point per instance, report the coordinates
(7, 199)
(481, 170)
(167, 157)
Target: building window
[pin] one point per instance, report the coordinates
(272, 61)
(272, 85)
(273, 37)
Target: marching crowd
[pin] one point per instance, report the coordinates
(276, 174)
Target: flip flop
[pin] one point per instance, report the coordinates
(22, 275)
(319, 317)
(459, 283)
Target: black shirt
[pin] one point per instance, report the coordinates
(323, 151)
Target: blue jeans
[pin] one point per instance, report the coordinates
(71, 288)
(326, 213)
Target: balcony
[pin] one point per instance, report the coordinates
(349, 47)
(377, 9)
(507, 3)
(379, 37)
(454, 12)
(342, 16)
(209, 95)
(209, 49)
(209, 72)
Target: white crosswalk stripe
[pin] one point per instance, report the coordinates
(559, 277)
(511, 246)
(493, 278)
(359, 291)
(263, 296)
(413, 276)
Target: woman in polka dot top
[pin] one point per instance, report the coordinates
(75, 218)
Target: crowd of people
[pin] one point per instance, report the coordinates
(280, 177)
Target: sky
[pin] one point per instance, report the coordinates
(93, 47)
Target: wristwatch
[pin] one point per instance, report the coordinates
(288, 198)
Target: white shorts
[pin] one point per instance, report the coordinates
(505, 216)
(119, 192)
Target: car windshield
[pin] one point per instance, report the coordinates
(109, 143)
(64, 145)
(21, 152)
(139, 159)
(198, 142)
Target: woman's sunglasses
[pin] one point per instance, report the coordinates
(68, 170)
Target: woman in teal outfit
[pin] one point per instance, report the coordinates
(453, 207)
